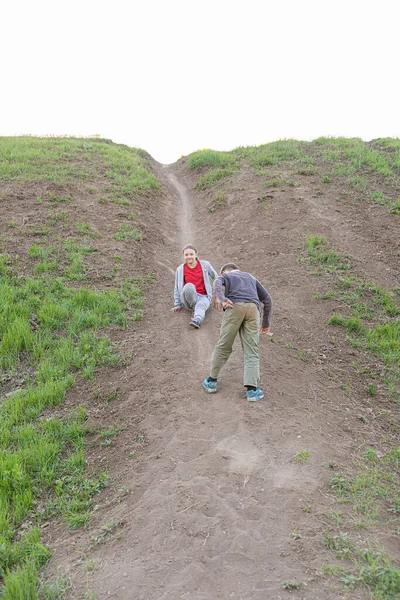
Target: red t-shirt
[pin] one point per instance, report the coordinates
(195, 276)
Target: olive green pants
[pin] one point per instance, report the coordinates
(243, 318)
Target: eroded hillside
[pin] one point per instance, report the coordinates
(114, 459)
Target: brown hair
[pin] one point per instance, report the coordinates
(191, 247)
(229, 267)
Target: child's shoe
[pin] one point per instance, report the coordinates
(210, 386)
(195, 323)
(255, 395)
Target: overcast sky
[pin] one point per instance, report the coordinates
(174, 76)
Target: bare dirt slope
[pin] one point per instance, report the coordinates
(205, 495)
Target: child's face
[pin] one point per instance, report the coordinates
(189, 256)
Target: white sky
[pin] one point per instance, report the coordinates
(174, 76)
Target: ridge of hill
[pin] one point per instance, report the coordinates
(117, 462)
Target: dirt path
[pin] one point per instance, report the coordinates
(207, 507)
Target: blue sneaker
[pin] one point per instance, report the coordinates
(210, 386)
(255, 395)
(195, 323)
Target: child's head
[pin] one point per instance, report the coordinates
(190, 253)
(229, 267)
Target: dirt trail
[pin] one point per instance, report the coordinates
(209, 503)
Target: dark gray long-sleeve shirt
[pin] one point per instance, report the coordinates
(239, 286)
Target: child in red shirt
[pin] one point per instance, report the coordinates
(193, 286)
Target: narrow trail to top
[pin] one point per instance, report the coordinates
(213, 495)
(184, 212)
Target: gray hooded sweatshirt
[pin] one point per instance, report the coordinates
(209, 275)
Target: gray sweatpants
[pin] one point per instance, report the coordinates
(194, 301)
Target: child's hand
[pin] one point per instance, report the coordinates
(227, 304)
(266, 330)
(217, 304)
(176, 308)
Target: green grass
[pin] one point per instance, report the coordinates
(219, 165)
(321, 253)
(83, 228)
(369, 315)
(273, 153)
(371, 567)
(53, 590)
(68, 160)
(373, 319)
(212, 177)
(224, 164)
(52, 333)
(127, 232)
(59, 217)
(301, 457)
(59, 199)
(211, 158)
(372, 493)
(52, 337)
(365, 165)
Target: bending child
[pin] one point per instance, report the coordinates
(241, 295)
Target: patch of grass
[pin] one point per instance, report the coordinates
(21, 584)
(274, 153)
(65, 159)
(304, 355)
(218, 200)
(108, 398)
(109, 432)
(276, 182)
(51, 333)
(306, 170)
(59, 217)
(126, 232)
(211, 158)
(44, 266)
(54, 332)
(83, 228)
(370, 567)
(301, 457)
(59, 199)
(110, 530)
(212, 177)
(321, 253)
(331, 569)
(374, 484)
(75, 271)
(292, 585)
(37, 251)
(296, 535)
(365, 301)
(363, 164)
(395, 207)
(340, 485)
(53, 590)
(337, 516)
